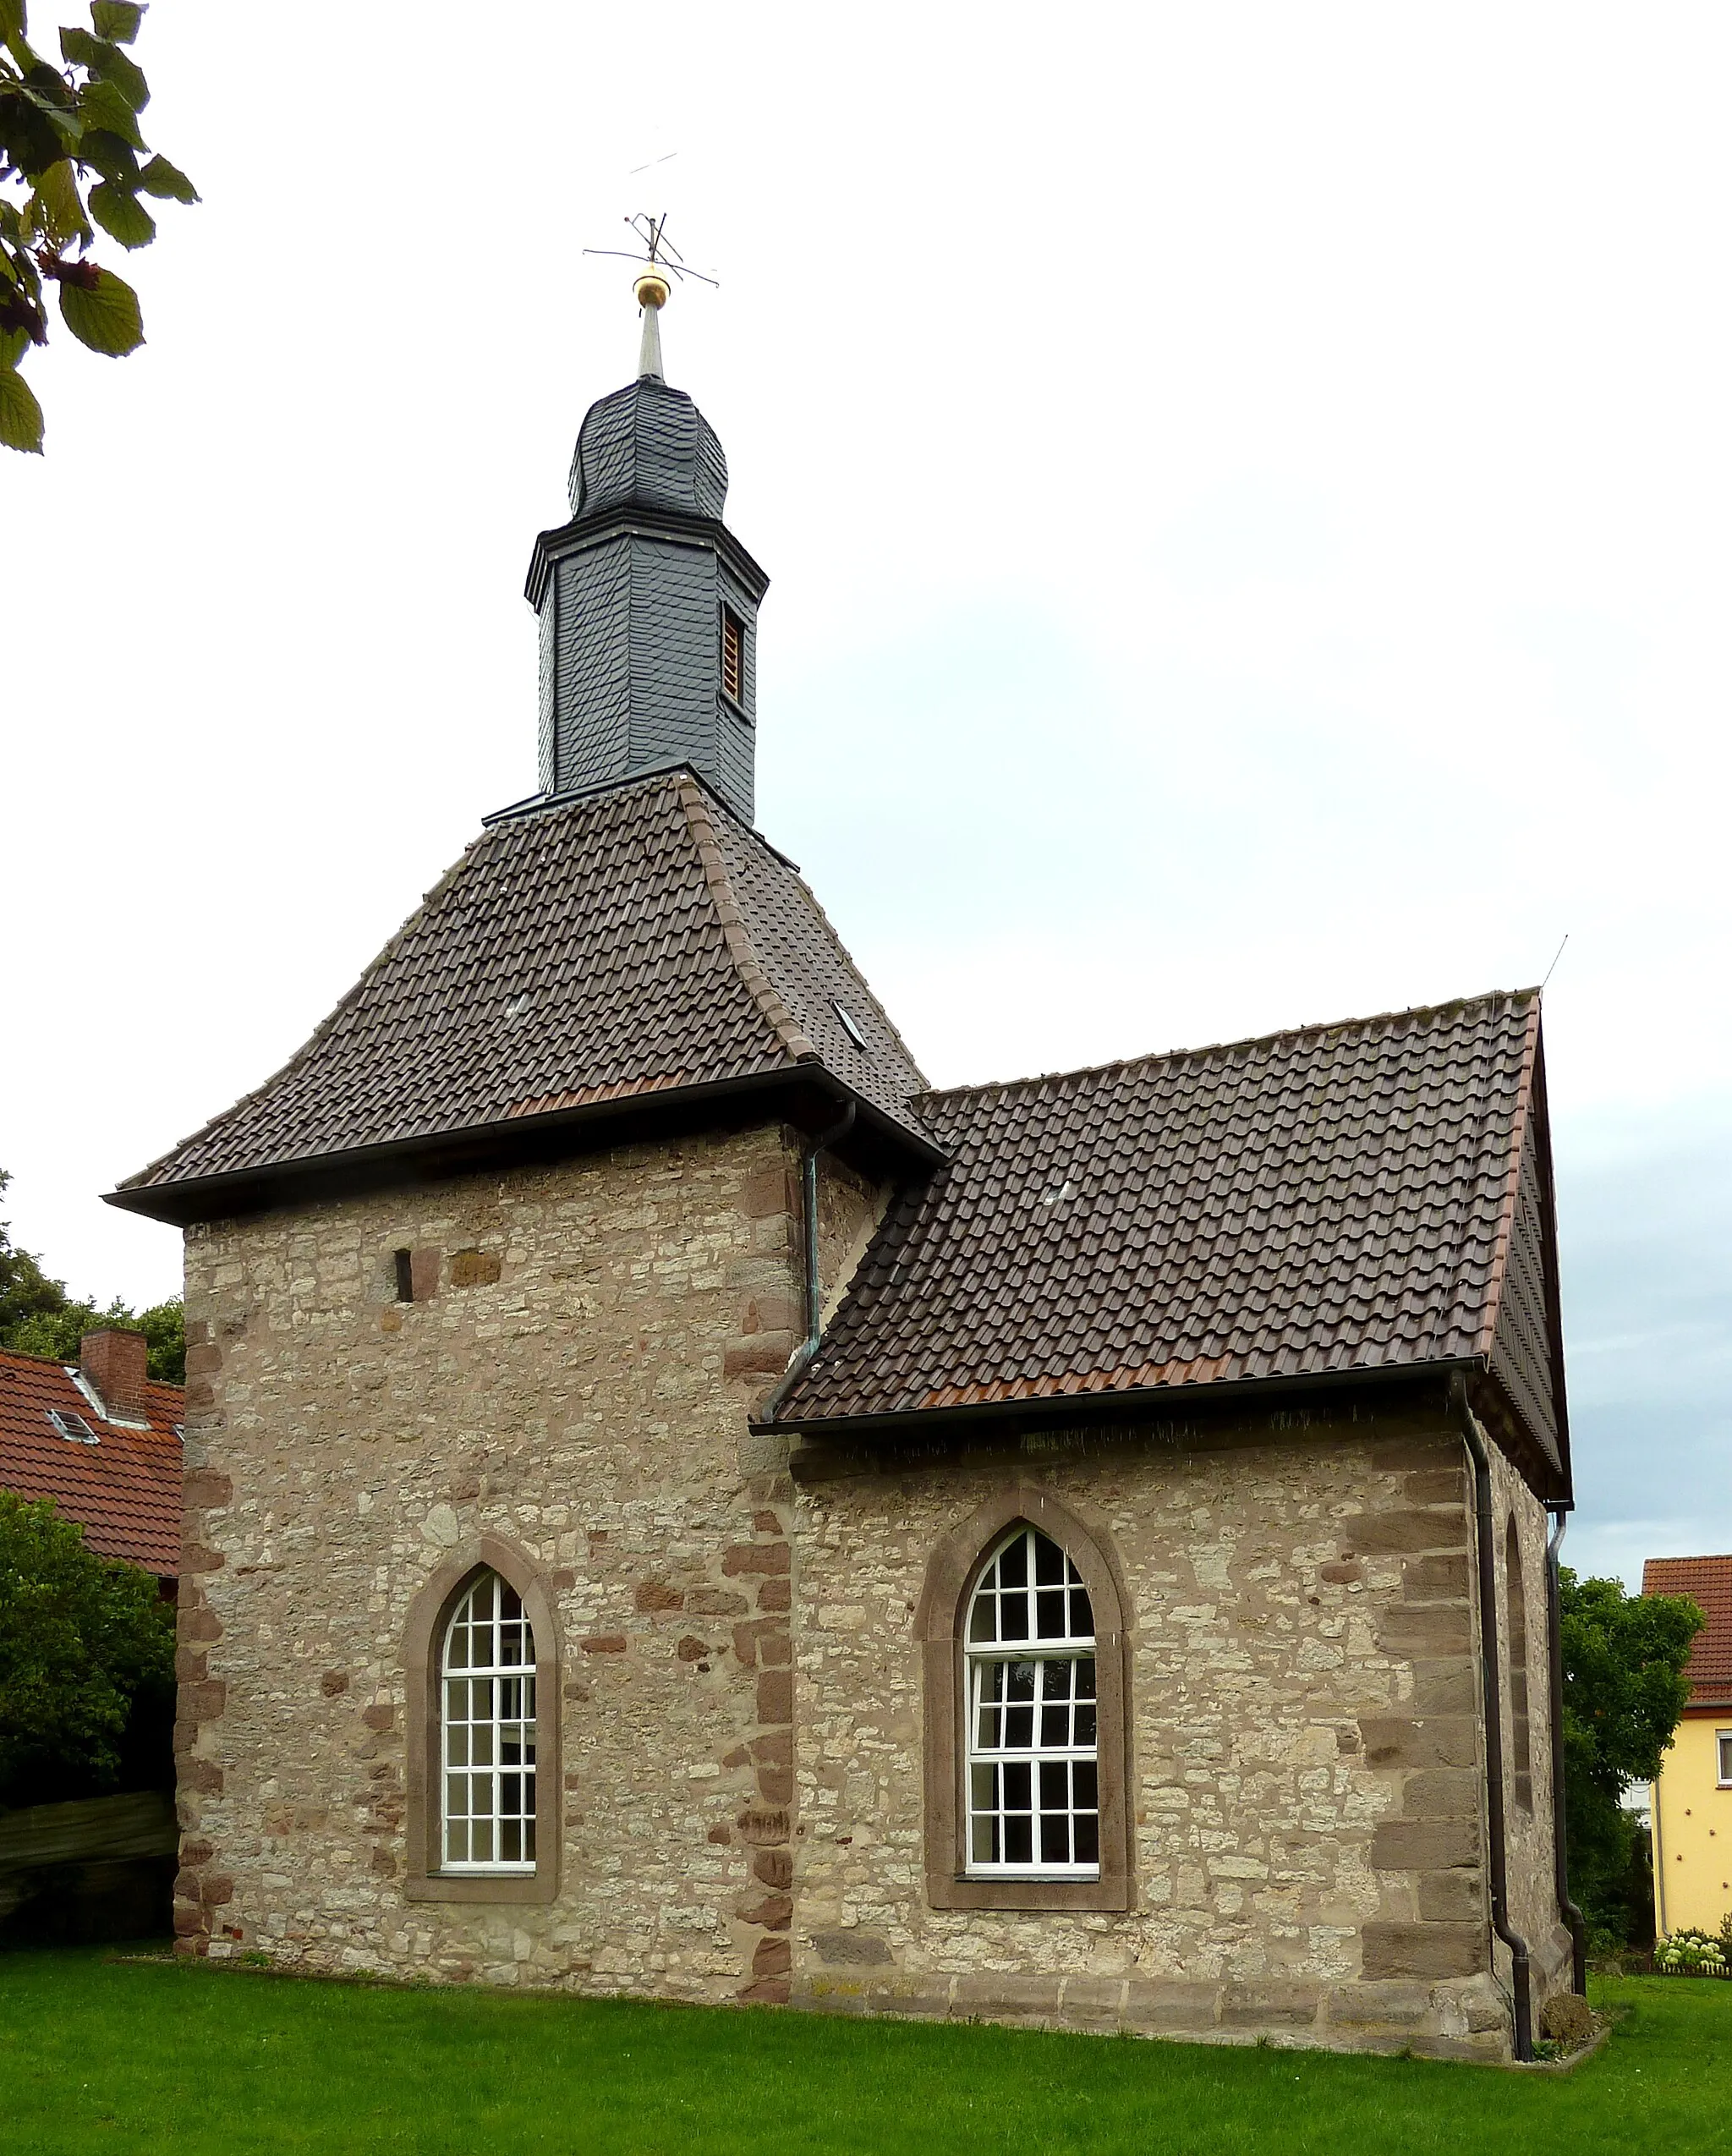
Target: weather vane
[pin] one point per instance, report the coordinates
(663, 267)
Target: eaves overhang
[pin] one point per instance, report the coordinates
(628, 520)
(921, 1427)
(1128, 1403)
(798, 1094)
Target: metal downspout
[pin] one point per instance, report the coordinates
(1560, 1847)
(1485, 1564)
(809, 1236)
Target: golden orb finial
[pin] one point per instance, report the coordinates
(651, 287)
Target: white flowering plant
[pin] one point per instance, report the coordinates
(1691, 1953)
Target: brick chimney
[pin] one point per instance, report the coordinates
(113, 1364)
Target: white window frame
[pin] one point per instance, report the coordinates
(1723, 1738)
(991, 1666)
(506, 1724)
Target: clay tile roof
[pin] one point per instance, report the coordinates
(1707, 1581)
(1341, 1197)
(125, 1489)
(635, 941)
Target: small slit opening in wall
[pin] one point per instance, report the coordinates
(405, 1277)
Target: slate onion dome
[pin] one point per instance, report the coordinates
(648, 603)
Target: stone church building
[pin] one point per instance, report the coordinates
(674, 1505)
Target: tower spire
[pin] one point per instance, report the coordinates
(651, 289)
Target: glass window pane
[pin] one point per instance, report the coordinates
(456, 1795)
(457, 1652)
(1082, 1613)
(1019, 1728)
(1085, 1677)
(1013, 1617)
(983, 1623)
(457, 1842)
(1019, 1678)
(1019, 1838)
(1055, 1785)
(1013, 1563)
(1055, 1838)
(1050, 1613)
(481, 1842)
(984, 1843)
(1084, 1784)
(457, 1746)
(529, 1840)
(1054, 1727)
(481, 1744)
(509, 1605)
(1086, 1838)
(510, 1841)
(1084, 1727)
(1049, 1562)
(1017, 1781)
(987, 1738)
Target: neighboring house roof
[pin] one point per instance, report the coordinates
(1366, 1196)
(1707, 1581)
(124, 1489)
(636, 941)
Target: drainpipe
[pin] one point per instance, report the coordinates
(1486, 1566)
(1560, 1848)
(808, 1235)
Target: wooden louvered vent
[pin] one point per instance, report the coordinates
(734, 646)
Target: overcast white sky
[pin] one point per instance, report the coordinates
(1245, 490)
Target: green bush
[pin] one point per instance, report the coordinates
(86, 1665)
(1691, 1953)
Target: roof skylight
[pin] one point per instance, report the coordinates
(851, 1025)
(70, 1425)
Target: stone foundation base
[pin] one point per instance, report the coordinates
(1464, 2018)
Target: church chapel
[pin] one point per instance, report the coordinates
(675, 1506)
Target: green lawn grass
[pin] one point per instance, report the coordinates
(101, 2054)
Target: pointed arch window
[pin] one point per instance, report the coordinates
(487, 1717)
(1034, 1797)
(1026, 1655)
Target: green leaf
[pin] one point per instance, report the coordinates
(117, 18)
(108, 63)
(55, 210)
(167, 181)
(102, 105)
(122, 216)
(14, 344)
(20, 415)
(112, 158)
(104, 315)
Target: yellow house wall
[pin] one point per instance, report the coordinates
(1693, 1829)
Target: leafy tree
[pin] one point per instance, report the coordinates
(86, 1665)
(38, 1317)
(1623, 1694)
(71, 148)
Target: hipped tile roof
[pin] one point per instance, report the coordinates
(1341, 1197)
(1707, 1581)
(124, 1489)
(635, 941)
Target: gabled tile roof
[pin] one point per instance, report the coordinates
(635, 941)
(1340, 1198)
(1707, 1581)
(125, 1487)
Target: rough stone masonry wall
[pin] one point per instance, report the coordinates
(1308, 1779)
(572, 1376)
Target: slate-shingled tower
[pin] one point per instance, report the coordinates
(648, 604)
(673, 1505)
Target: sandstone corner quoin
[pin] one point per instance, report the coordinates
(675, 1506)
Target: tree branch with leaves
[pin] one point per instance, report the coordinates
(73, 157)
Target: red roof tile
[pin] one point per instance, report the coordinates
(1342, 1197)
(636, 941)
(1707, 1581)
(124, 1489)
